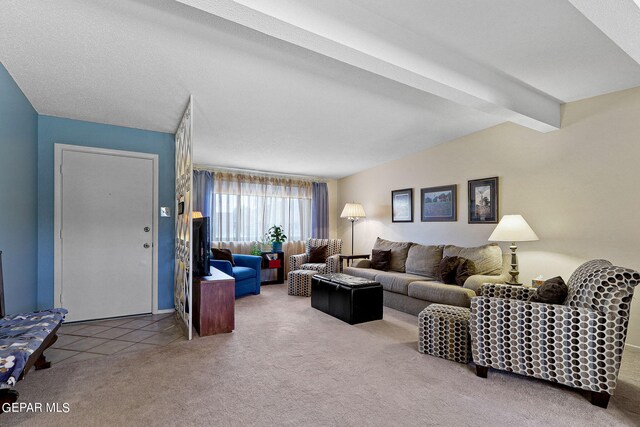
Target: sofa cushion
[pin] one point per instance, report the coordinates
(423, 260)
(380, 260)
(240, 273)
(487, 259)
(399, 252)
(393, 281)
(440, 293)
(367, 273)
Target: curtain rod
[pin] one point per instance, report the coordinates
(256, 172)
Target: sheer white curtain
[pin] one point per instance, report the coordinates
(245, 206)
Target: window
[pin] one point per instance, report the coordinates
(245, 206)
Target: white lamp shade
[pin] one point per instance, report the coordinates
(513, 228)
(353, 210)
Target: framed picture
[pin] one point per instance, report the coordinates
(439, 203)
(402, 205)
(483, 201)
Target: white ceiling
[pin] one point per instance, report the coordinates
(318, 88)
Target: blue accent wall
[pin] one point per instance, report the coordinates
(18, 195)
(52, 130)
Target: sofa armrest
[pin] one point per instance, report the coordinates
(548, 341)
(333, 263)
(361, 263)
(222, 265)
(295, 261)
(250, 261)
(495, 290)
(477, 280)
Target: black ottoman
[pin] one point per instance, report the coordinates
(350, 299)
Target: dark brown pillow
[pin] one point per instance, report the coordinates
(223, 255)
(466, 268)
(318, 255)
(447, 270)
(552, 291)
(380, 259)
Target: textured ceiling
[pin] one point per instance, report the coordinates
(304, 87)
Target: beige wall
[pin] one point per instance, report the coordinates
(578, 187)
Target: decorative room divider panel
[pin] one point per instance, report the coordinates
(184, 206)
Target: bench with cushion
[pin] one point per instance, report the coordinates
(23, 340)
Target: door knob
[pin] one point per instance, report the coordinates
(146, 245)
(147, 229)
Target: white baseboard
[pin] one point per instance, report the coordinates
(164, 311)
(633, 348)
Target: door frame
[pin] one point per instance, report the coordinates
(57, 216)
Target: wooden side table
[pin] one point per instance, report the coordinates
(350, 259)
(277, 264)
(214, 303)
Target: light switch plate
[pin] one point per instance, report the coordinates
(165, 211)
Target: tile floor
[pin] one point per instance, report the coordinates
(101, 338)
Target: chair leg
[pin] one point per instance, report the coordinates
(599, 399)
(481, 371)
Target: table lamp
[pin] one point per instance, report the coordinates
(513, 228)
(352, 211)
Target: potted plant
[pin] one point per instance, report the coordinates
(277, 237)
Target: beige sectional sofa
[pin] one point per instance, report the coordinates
(410, 284)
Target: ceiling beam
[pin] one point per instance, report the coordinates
(440, 71)
(619, 20)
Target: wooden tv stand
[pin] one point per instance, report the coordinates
(214, 303)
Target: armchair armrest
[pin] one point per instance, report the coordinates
(295, 261)
(494, 290)
(251, 261)
(579, 347)
(222, 265)
(333, 263)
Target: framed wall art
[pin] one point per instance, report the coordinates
(483, 201)
(439, 203)
(402, 205)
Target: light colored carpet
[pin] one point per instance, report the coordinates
(289, 364)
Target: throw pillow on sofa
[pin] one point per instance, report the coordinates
(552, 291)
(447, 270)
(466, 268)
(223, 255)
(318, 255)
(380, 259)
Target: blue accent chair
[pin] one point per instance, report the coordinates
(246, 272)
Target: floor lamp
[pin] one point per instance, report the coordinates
(513, 228)
(352, 211)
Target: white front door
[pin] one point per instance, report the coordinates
(106, 220)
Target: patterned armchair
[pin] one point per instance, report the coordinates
(578, 344)
(301, 262)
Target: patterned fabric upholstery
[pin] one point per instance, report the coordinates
(600, 286)
(579, 344)
(493, 290)
(300, 262)
(299, 282)
(443, 331)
